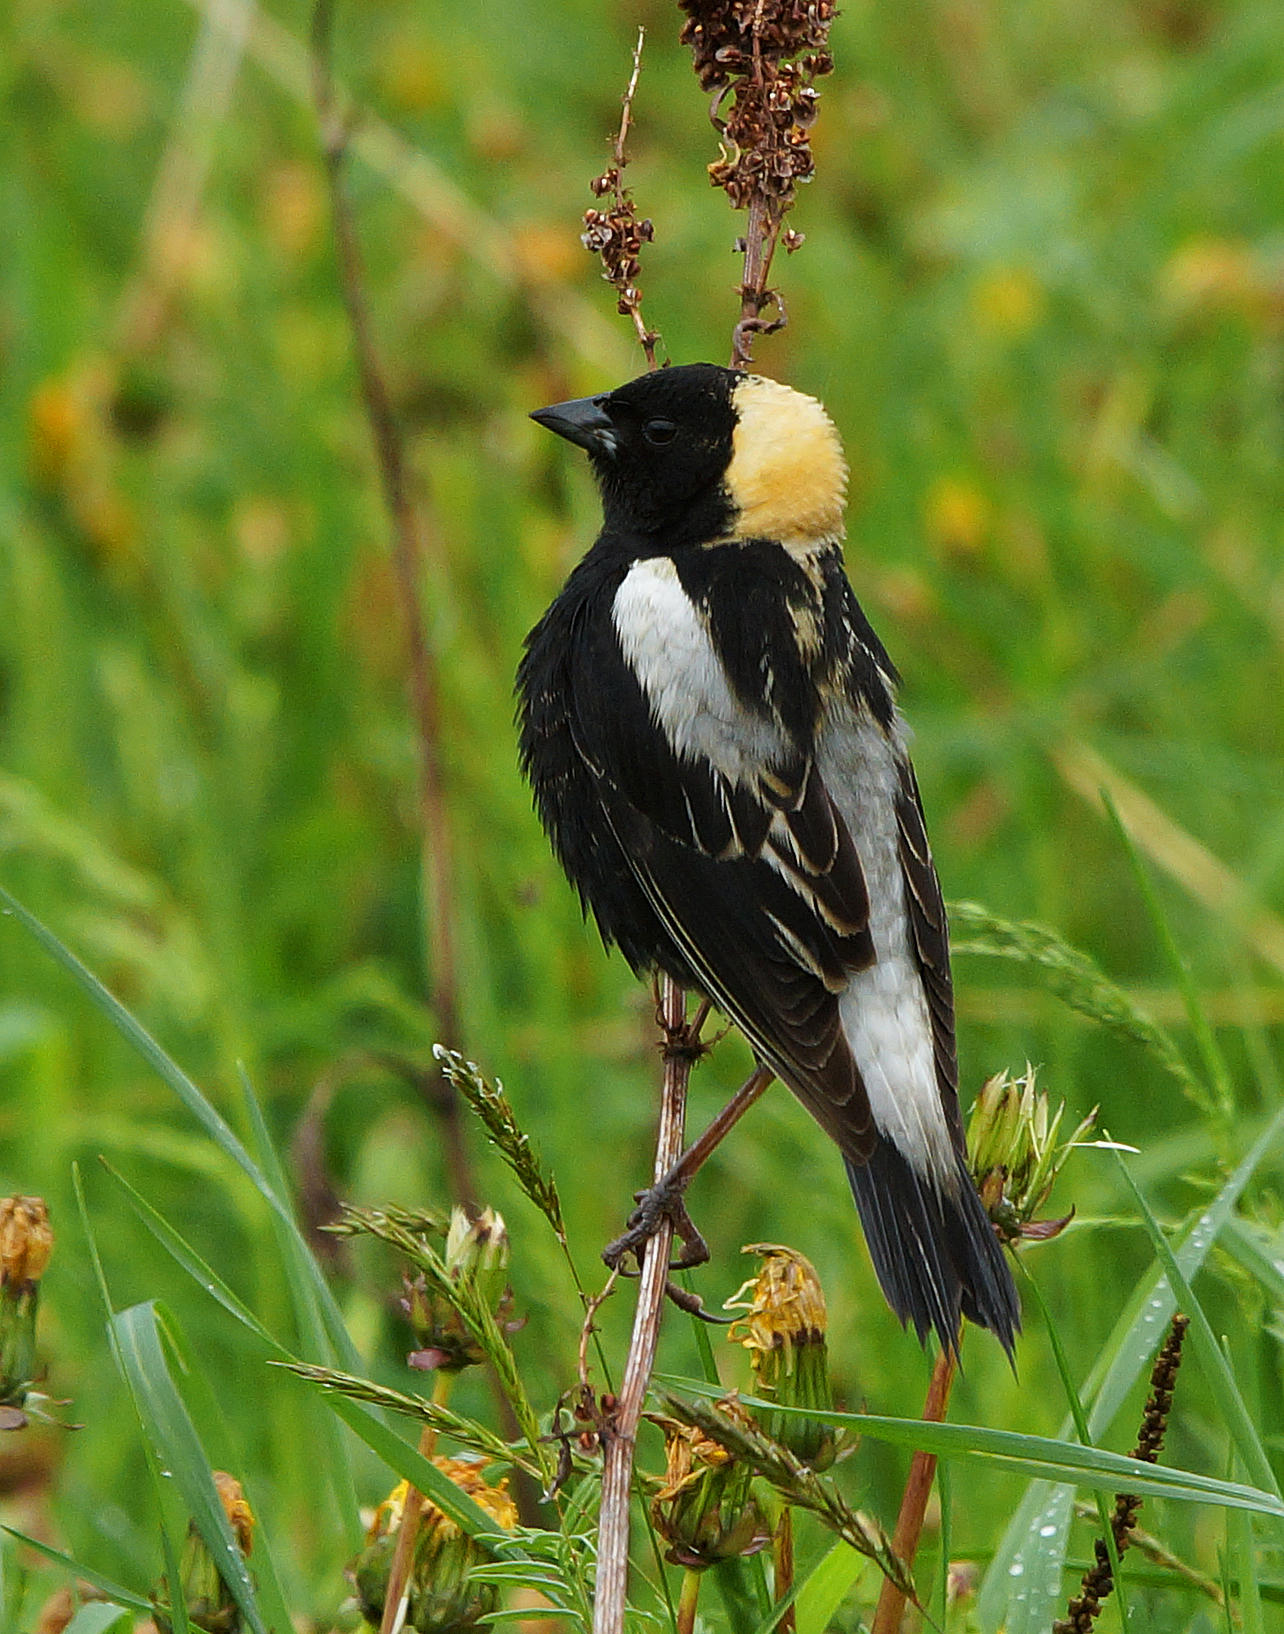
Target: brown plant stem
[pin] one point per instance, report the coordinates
(398, 1596)
(619, 1434)
(918, 1488)
(436, 861)
(630, 297)
(782, 1556)
(761, 233)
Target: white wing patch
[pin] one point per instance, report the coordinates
(884, 1009)
(666, 643)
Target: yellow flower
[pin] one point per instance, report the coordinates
(783, 1329)
(442, 1598)
(704, 1509)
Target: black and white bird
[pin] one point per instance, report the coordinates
(709, 725)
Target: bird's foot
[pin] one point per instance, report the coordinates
(663, 1201)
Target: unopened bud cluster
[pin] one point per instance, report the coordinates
(1014, 1152)
(476, 1255)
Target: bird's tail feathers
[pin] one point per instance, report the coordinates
(935, 1251)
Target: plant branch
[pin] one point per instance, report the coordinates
(619, 1435)
(436, 861)
(918, 1488)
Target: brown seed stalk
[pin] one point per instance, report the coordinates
(761, 59)
(614, 232)
(1098, 1581)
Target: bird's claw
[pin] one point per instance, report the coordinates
(660, 1202)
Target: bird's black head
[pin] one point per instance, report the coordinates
(699, 453)
(660, 448)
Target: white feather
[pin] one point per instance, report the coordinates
(666, 643)
(884, 1009)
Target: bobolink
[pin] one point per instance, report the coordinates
(709, 726)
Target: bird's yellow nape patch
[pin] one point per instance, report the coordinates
(787, 477)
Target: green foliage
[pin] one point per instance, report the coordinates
(1041, 294)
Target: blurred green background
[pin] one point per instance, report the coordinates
(1042, 293)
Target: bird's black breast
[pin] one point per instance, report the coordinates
(577, 697)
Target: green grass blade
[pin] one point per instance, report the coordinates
(1073, 978)
(105, 1585)
(320, 1319)
(273, 1191)
(1252, 1248)
(408, 1462)
(178, 1448)
(97, 1616)
(1022, 1586)
(1085, 1435)
(200, 1271)
(827, 1586)
(178, 1611)
(1221, 1380)
(1027, 1454)
(164, 1065)
(1205, 1038)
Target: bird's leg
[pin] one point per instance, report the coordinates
(664, 1200)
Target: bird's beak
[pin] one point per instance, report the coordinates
(584, 421)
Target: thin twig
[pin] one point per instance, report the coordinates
(918, 1487)
(782, 1558)
(436, 863)
(397, 1599)
(616, 234)
(620, 1435)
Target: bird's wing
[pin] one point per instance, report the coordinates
(756, 880)
(930, 937)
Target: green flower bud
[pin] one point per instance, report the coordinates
(476, 1255)
(1014, 1154)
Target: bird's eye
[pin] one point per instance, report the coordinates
(659, 432)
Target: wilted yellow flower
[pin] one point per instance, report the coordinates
(236, 1506)
(783, 1330)
(705, 1509)
(26, 1240)
(442, 1599)
(210, 1603)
